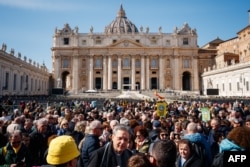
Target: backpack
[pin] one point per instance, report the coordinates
(200, 151)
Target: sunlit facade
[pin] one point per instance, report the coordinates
(21, 76)
(126, 57)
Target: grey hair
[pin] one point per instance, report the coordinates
(17, 131)
(192, 127)
(124, 121)
(121, 127)
(42, 121)
(94, 124)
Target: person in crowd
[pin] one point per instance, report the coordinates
(79, 131)
(139, 160)
(194, 137)
(142, 141)
(3, 137)
(27, 127)
(163, 154)
(163, 135)
(187, 156)
(15, 152)
(215, 127)
(26, 139)
(91, 142)
(114, 153)
(51, 129)
(62, 152)
(247, 121)
(156, 125)
(64, 128)
(218, 137)
(38, 141)
(15, 125)
(238, 139)
(105, 137)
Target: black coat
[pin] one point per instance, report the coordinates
(38, 146)
(106, 157)
(193, 161)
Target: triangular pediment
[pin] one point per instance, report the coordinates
(126, 43)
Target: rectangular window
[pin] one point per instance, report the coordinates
(247, 85)
(138, 41)
(137, 63)
(98, 41)
(6, 81)
(98, 63)
(168, 42)
(84, 42)
(14, 81)
(185, 41)
(154, 63)
(186, 63)
(83, 63)
(31, 84)
(114, 63)
(65, 63)
(21, 83)
(65, 41)
(114, 40)
(230, 86)
(238, 86)
(223, 87)
(153, 42)
(27, 82)
(126, 63)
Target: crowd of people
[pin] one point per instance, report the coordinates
(122, 133)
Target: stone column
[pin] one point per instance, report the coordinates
(147, 72)
(161, 73)
(143, 72)
(133, 73)
(176, 74)
(195, 85)
(75, 78)
(109, 72)
(91, 72)
(104, 75)
(119, 76)
(57, 69)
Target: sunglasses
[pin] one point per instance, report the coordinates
(164, 134)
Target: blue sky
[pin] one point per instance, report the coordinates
(28, 25)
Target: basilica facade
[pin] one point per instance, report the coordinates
(125, 57)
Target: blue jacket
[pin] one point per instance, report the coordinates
(199, 138)
(227, 145)
(90, 144)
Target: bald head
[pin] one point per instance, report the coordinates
(191, 128)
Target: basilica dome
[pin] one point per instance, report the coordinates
(121, 24)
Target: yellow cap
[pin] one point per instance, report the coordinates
(62, 149)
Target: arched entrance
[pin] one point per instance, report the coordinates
(186, 81)
(126, 83)
(66, 83)
(154, 83)
(98, 83)
(137, 86)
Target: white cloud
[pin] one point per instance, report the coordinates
(59, 5)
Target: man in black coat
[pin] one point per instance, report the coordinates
(114, 153)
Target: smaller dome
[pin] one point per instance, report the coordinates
(121, 24)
